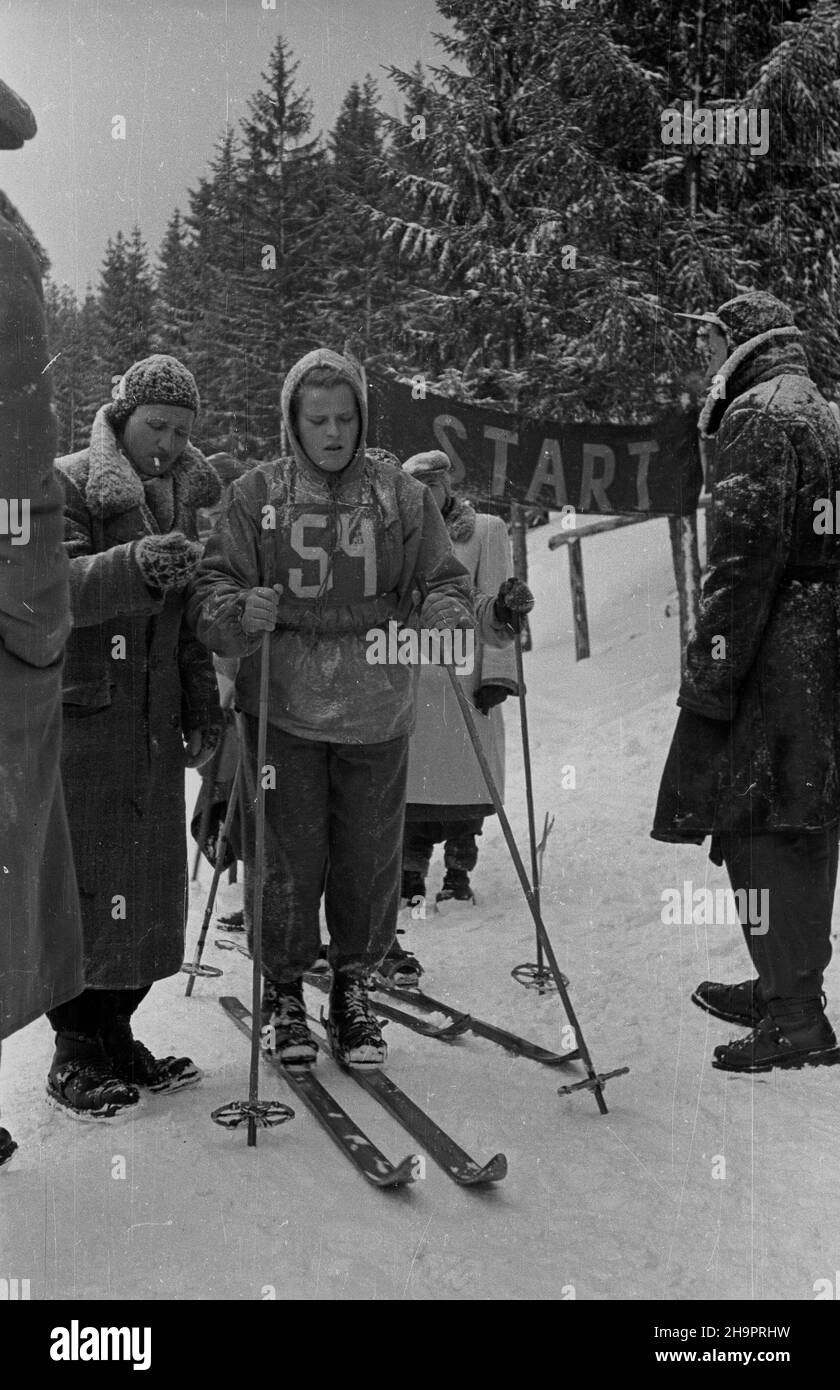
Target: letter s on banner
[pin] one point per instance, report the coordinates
(442, 423)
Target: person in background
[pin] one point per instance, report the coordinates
(447, 798)
(755, 758)
(140, 703)
(40, 926)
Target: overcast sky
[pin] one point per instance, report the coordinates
(177, 71)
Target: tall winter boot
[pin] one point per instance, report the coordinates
(132, 1062)
(791, 1034)
(82, 1082)
(7, 1147)
(284, 1031)
(354, 1032)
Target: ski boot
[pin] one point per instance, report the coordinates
(234, 921)
(788, 1036)
(399, 967)
(413, 886)
(7, 1147)
(322, 965)
(355, 1034)
(454, 889)
(134, 1063)
(285, 1033)
(741, 1004)
(82, 1081)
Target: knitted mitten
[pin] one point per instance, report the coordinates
(167, 562)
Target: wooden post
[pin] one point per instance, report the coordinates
(578, 600)
(686, 558)
(520, 559)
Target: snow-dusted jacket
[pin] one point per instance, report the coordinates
(135, 679)
(443, 769)
(348, 549)
(40, 929)
(757, 743)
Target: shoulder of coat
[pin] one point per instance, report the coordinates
(198, 480)
(488, 523)
(461, 520)
(75, 467)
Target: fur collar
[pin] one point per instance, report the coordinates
(460, 520)
(712, 412)
(113, 486)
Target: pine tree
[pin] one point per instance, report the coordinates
(363, 284)
(174, 307)
(81, 381)
(544, 132)
(284, 205)
(126, 298)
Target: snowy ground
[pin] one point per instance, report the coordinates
(696, 1185)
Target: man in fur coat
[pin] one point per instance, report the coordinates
(755, 759)
(40, 929)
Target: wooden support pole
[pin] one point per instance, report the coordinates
(581, 620)
(686, 558)
(520, 559)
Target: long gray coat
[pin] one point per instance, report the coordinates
(757, 743)
(40, 930)
(443, 770)
(126, 704)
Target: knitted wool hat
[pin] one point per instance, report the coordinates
(17, 122)
(746, 316)
(434, 466)
(155, 380)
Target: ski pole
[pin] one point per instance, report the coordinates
(209, 782)
(594, 1081)
(265, 1113)
(537, 974)
(196, 968)
(259, 883)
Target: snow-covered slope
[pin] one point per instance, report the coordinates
(696, 1185)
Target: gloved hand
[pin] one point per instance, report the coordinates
(442, 611)
(201, 744)
(168, 562)
(489, 695)
(513, 603)
(260, 611)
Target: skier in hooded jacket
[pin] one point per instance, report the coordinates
(324, 548)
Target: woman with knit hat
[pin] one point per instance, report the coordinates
(140, 703)
(324, 549)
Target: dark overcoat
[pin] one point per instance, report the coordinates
(757, 743)
(40, 930)
(135, 680)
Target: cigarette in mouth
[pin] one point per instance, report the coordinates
(157, 461)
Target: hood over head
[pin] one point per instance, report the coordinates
(351, 372)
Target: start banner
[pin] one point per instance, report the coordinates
(500, 457)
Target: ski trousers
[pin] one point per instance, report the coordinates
(333, 829)
(458, 837)
(798, 871)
